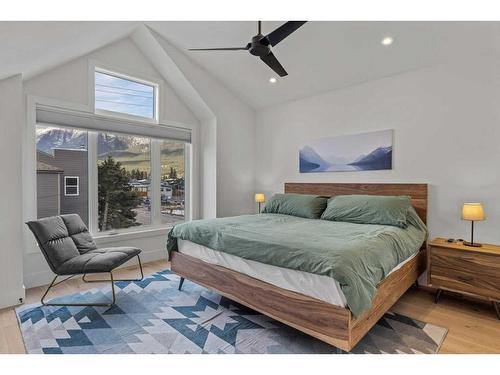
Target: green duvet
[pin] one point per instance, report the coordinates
(358, 256)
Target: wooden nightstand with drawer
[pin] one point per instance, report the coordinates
(464, 269)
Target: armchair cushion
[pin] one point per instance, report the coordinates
(53, 238)
(99, 260)
(79, 233)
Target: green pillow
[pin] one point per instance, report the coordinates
(368, 209)
(302, 205)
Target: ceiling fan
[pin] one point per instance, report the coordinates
(261, 45)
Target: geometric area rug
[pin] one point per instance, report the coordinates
(152, 316)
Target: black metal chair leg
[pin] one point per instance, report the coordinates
(417, 284)
(497, 309)
(438, 295)
(102, 280)
(113, 287)
(181, 281)
(53, 283)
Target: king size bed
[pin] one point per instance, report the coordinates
(325, 277)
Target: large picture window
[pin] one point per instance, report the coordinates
(125, 167)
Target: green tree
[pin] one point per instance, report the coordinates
(116, 198)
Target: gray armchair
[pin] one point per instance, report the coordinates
(70, 250)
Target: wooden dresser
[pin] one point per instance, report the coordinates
(464, 269)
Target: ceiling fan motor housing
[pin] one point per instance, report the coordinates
(257, 48)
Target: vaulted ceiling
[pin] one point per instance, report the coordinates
(319, 57)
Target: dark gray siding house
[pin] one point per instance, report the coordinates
(47, 189)
(70, 187)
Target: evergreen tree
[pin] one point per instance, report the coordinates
(116, 198)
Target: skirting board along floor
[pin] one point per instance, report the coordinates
(473, 326)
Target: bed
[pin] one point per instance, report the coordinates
(312, 303)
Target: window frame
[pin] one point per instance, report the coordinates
(191, 155)
(92, 180)
(93, 68)
(155, 160)
(77, 186)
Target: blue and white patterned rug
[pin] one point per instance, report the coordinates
(152, 316)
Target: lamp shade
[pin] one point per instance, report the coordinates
(472, 211)
(260, 198)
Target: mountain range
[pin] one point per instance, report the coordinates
(380, 158)
(310, 160)
(107, 144)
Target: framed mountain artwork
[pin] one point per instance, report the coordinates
(358, 152)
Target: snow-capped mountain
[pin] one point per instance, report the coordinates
(48, 138)
(380, 158)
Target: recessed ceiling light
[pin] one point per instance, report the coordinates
(272, 80)
(387, 41)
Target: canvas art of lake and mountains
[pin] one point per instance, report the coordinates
(358, 152)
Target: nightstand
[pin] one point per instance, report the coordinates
(464, 269)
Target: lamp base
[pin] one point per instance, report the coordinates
(472, 244)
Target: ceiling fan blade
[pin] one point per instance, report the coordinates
(221, 49)
(276, 36)
(274, 64)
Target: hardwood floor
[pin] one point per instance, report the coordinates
(473, 326)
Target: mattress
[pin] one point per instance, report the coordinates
(320, 287)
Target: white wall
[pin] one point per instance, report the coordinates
(447, 132)
(11, 124)
(69, 83)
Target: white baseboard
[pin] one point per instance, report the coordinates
(45, 277)
(12, 297)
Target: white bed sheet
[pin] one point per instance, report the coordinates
(318, 286)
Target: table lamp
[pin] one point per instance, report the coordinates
(472, 212)
(260, 198)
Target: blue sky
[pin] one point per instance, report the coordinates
(120, 95)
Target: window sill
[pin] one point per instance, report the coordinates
(102, 239)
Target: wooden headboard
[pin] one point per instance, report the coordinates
(417, 192)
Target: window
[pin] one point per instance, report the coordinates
(123, 181)
(116, 172)
(118, 94)
(61, 172)
(71, 186)
(172, 161)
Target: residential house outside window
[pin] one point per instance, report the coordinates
(62, 158)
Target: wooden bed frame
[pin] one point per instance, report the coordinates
(332, 324)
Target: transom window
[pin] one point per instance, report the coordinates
(124, 95)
